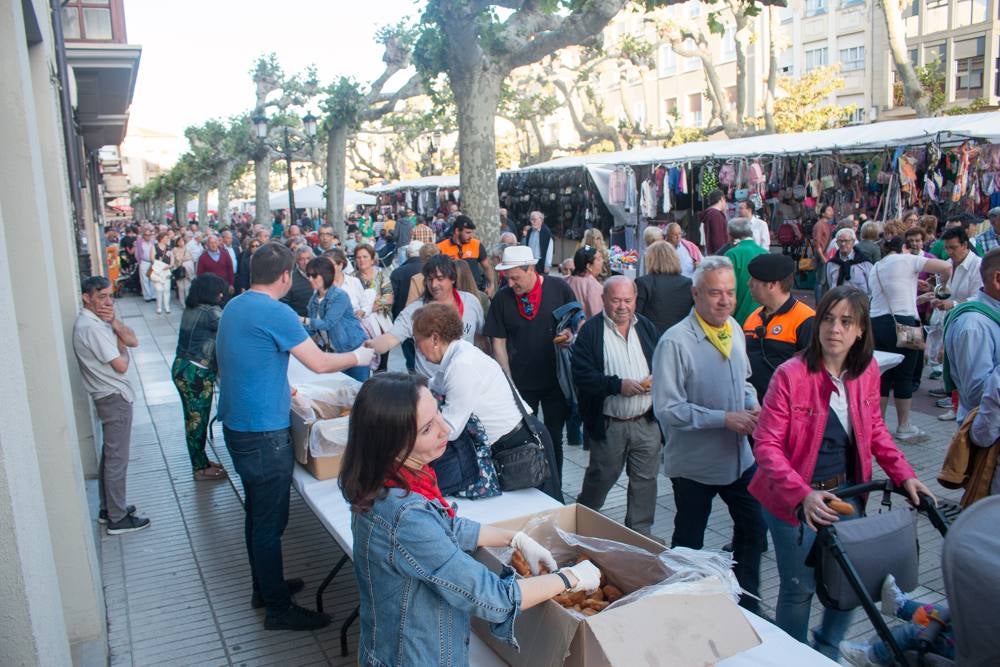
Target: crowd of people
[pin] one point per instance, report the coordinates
(706, 367)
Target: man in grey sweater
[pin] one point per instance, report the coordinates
(706, 408)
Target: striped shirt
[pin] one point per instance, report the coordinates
(624, 358)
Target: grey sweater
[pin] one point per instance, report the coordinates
(694, 387)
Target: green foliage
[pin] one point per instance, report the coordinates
(342, 103)
(975, 106)
(932, 79)
(801, 108)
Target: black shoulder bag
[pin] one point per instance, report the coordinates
(522, 465)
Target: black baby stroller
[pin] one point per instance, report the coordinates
(852, 559)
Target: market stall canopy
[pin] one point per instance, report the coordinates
(425, 183)
(851, 139)
(311, 196)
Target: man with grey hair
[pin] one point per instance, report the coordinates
(868, 245)
(539, 239)
(706, 408)
(612, 358)
(990, 239)
(847, 265)
(301, 291)
(744, 249)
(226, 237)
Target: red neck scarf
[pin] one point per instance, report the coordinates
(425, 483)
(458, 302)
(528, 304)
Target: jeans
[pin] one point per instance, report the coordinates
(115, 414)
(796, 588)
(359, 373)
(264, 462)
(635, 446)
(574, 426)
(908, 635)
(694, 504)
(555, 410)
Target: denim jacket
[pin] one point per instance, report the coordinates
(335, 319)
(196, 340)
(419, 585)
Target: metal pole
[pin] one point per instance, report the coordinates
(291, 192)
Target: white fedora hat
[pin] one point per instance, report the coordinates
(515, 256)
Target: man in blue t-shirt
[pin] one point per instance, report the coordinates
(256, 334)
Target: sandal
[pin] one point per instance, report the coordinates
(215, 464)
(209, 474)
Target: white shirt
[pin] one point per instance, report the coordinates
(897, 276)
(624, 358)
(761, 234)
(232, 254)
(687, 262)
(838, 402)
(472, 324)
(96, 346)
(195, 249)
(354, 290)
(474, 384)
(965, 280)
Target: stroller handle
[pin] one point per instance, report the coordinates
(886, 487)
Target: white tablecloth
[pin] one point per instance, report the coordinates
(887, 360)
(327, 503)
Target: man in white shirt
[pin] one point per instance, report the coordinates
(758, 228)
(194, 246)
(227, 244)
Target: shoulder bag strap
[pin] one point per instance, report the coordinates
(885, 295)
(520, 407)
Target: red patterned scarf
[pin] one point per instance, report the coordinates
(423, 482)
(528, 304)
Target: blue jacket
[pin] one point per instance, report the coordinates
(334, 317)
(419, 585)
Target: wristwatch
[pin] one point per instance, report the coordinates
(564, 578)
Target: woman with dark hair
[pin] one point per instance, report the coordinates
(663, 295)
(243, 266)
(329, 316)
(893, 283)
(819, 428)
(418, 583)
(440, 276)
(474, 387)
(344, 281)
(588, 263)
(194, 371)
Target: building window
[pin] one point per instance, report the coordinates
(969, 78)
(88, 20)
(934, 54)
(668, 60)
(853, 3)
(669, 111)
(691, 64)
(970, 12)
(728, 51)
(852, 59)
(816, 58)
(694, 8)
(694, 110)
(787, 15)
(937, 16)
(639, 114)
(814, 7)
(731, 95)
(857, 116)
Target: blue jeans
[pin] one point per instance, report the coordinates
(359, 373)
(264, 461)
(694, 504)
(908, 635)
(796, 588)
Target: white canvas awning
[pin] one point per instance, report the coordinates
(311, 196)
(425, 183)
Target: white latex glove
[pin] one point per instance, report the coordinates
(588, 577)
(364, 355)
(533, 552)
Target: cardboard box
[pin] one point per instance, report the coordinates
(675, 629)
(320, 467)
(322, 395)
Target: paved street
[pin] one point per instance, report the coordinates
(178, 593)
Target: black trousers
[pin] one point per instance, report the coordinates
(555, 411)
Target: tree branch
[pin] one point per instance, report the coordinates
(557, 32)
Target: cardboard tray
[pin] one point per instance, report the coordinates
(665, 629)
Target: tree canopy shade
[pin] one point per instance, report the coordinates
(477, 44)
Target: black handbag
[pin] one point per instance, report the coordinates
(179, 273)
(521, 465)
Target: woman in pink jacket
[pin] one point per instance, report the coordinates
(819, 427)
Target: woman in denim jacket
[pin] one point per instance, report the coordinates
(819, 428)
(329, 315)
(418, 583)
(194, 370)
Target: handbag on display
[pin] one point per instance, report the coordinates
(522, 465)
(908, 336)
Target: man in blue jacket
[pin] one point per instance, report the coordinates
(612, 361)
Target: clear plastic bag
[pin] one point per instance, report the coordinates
(637, 572)
(328, 437)
(325, 400)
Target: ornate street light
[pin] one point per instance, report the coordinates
(260, 128)
(309, 123)
(259, 121)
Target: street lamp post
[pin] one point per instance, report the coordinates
(287, 150)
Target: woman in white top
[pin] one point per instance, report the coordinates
(344, 280)
(440, 276)
(893, 283)
(473, 384)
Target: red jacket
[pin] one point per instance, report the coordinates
(790, 431)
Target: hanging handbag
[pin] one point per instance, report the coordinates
(908, 336)
(522, 465)
(457, 469)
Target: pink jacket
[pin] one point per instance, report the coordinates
(693, 250)
(790, 431)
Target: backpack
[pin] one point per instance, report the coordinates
(789, 233)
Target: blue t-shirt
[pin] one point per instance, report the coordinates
(255, 334)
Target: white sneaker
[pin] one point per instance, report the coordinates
(855, 654)
(891, 597)
(948, 416)
(168, 311)
(908, 432)
(158, 311)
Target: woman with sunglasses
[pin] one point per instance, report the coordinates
(330, 317)
(243, 266)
